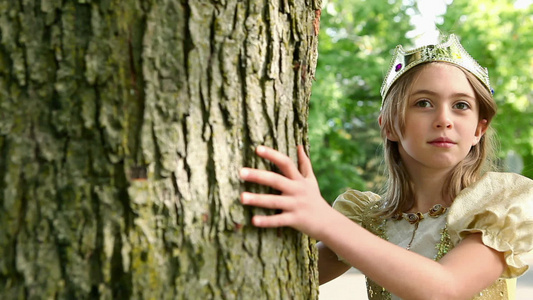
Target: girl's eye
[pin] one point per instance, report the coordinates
(462, 105)
(423, 103)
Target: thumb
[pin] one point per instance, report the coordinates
(304, 163)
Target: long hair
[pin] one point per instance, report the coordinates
(399, 192)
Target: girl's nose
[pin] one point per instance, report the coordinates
(443, 119)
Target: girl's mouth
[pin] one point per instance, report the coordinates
(442, 142)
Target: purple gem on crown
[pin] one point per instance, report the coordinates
(398, 67)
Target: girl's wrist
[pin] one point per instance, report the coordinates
(328, 226)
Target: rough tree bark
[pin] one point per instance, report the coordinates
(123, 124)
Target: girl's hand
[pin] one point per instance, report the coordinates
(302, 206)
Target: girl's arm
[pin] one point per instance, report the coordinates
(467, 269)
(329, 265)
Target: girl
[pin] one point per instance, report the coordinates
(442, 230)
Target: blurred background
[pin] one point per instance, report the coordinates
(356, 42)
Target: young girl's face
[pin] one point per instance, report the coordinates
(441, 119)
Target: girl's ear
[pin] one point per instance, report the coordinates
(482, 127)
(390, 135)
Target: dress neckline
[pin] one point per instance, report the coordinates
(414, 218)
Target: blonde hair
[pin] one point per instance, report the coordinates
(399, 193)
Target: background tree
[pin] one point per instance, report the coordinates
(123, 125)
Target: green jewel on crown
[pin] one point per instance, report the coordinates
(450, 51)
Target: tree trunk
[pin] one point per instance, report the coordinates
(123, 124)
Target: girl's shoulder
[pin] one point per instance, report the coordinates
(500, 207)
(495, 190)
(355, 204)
(500, 182)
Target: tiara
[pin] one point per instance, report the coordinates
(450, 51)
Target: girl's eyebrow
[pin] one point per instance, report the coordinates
(432, 93)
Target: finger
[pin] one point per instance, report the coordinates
(282, 161)
(266, 201)
(279, 220)
(268, 178)
(304, 163)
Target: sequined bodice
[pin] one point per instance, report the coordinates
(426, 235)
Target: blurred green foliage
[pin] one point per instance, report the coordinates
(357, 38)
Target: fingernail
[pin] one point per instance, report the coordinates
(261, 149)
(244, 173)
(245, 197)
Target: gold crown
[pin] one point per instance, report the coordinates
(450, 51)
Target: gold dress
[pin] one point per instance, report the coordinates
(499, 206)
